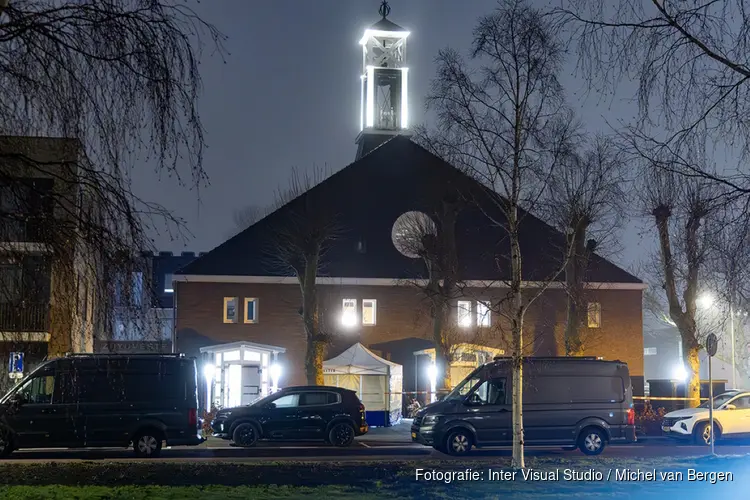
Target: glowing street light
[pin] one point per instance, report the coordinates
(349, 318)
(680, 373)
(432, 373)
(275, 371)
(705, 301)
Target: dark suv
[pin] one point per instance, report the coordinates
(329, 414)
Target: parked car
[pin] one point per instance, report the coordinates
(329, 414)
(108, 400)
(567, 402)
(731, 419)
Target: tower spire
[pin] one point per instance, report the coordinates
(384, 9)
(384, 111)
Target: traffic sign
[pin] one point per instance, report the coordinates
(15, 363)
(712, 343)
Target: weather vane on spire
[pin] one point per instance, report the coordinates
(384, 9)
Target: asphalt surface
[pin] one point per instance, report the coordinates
(360, 451)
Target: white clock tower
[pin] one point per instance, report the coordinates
(384, 109)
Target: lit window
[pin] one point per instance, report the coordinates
(251, 310)
(483, 313)
(349, 312)
(230, 309)
(168, 288)
(595, 314)
(649, 351)
(464, 313)
(369, 311)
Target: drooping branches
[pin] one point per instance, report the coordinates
(119, 80)
(689, 62)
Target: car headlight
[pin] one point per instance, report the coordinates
(224, 414)
(680, 419)
(431, 420)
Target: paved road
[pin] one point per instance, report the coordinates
(360, 451)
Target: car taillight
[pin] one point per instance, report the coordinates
(192, 417)
(361, 408)
(631, 416)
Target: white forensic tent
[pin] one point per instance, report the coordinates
(377, 382)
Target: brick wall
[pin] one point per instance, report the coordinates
(402, 312)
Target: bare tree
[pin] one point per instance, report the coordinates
(688, 209)
(432, 237)
(585, 201)
(728, 274)
(301, 234)
(502, 123)
(689, 61)
(120, 79)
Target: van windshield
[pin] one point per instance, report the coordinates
(21, 383)
(462, 389)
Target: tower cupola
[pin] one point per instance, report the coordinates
(384, 109)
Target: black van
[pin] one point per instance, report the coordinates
(568, 402)
(104, 400)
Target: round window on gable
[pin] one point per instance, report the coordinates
(409, 231)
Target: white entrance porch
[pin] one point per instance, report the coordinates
(237, 373)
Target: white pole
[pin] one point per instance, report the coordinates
(731, 330)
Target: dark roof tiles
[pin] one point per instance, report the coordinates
(368, 196)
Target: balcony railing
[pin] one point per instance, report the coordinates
(24, 318)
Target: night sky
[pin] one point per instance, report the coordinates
(288, 96)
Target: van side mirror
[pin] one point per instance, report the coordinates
(18, 399)
(730, 407)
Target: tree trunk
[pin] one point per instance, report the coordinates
(311, 319)
(517, 404)
(442, 350)
(314, 362)
(684, 319)
(517, 333)
(693, 389)
(576, 262)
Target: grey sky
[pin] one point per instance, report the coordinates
(288, 96)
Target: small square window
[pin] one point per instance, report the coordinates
(594, 315)
(168, 287)
(464, 313)
(349, 312)
(230, 309)
(649, 351)
(483, 313)
(369, 311)
(251, 310)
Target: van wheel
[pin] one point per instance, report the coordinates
(6, 442)
(459, 442)
(147, 444)
(702, 434)
(245, 435)
(341, 435)
(592, 441)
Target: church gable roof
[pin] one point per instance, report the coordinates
(368, 196)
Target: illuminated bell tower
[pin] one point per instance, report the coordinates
(384, 109)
